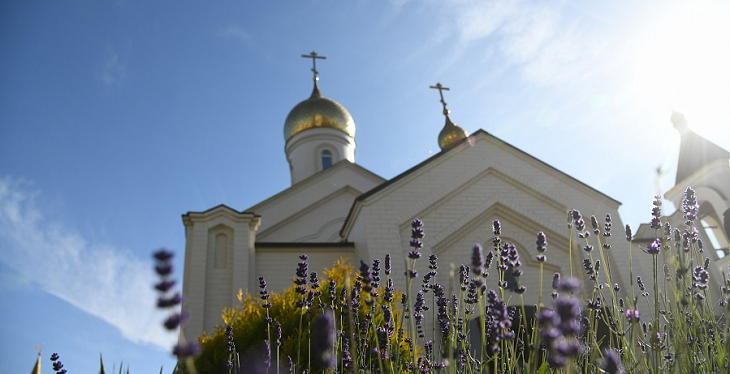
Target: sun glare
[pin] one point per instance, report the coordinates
(683, 63)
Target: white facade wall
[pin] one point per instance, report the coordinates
(209, 287)
(291, 207)
(278, 264)
(456, 194)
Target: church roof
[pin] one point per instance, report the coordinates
(454, 148)
(695, 151)
(323, 175)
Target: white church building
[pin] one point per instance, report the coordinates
(336, 208)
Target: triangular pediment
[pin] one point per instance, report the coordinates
(319, 221)
(471, 163)
(315, 208)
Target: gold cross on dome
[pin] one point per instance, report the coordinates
(441, 89)
(314, 56)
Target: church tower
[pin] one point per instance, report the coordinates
(319, 132)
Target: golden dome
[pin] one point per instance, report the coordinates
(451, 134)
(678, 119)
(318, 111)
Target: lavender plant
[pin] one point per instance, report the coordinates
(57, 364)
(361, 324)
(170, 300)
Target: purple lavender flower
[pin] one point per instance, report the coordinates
(541, 242)
(175, 320)
(656, 213)
(443, 316)
(376, 273)
(497, 227)
(416, 235)
(389, 289)
(488, 260)
(301, 279)
(690, 207)
(612, 363)
(433, 262)
(477, 258)
(633, 316)
(57, 365)
(264, 293)
(183, 350)
(559, 330)
(163, 268)
(267, 354)
(594, 224)
(323, 340)
(387, 264)
(700, 277)
(314, 280)
(568, 285)
(588, 266)
(230, 346)
(607, 226)
(653, 247)
(165, 285)
(415, 255)
(499, 322)
(463, 277)
(418, 307)
(277, 333)
(580, 225)
(163, 255)
(167, 302)
(365, 274)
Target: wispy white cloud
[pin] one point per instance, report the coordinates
(98, 278)
(236, 32)
(544, 41)
(480, 19)
(112, 70)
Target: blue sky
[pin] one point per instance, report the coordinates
(116, 117)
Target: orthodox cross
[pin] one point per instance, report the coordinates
(314, 56)
(441, 89)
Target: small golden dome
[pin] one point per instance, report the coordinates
(318, 111)
(451, 134)
(678, 120)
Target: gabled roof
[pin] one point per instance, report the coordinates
(316, 192)
(463, 144)
(695, 152)
(313, 179)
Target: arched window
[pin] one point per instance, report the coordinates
(326, 159)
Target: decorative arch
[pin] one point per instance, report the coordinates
(220, 247)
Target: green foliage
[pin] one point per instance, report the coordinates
(686, 331)
(250, 328)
